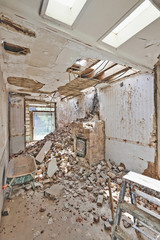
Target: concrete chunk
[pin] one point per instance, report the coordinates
(100, 200)
(43, 151)
(107, 226)
(54, 191)
(52, 167)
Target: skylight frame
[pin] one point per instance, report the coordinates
(67, 15)
(147, 16)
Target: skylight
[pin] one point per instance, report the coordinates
(141, 17)
(64, 11)
(68, 3)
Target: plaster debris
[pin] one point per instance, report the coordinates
(36, 234)
(107, 226)
(100, 200)
(42, 209)
(78, 189)
(96, 219)
(126, 224)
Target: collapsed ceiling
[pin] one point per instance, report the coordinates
(40, 53)
(89, 73)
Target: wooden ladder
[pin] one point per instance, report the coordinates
(141, 215)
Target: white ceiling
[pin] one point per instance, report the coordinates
(57, 47)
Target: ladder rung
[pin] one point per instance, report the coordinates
(143, 181)
(141, 215)
(156, 215)
(143, 232)
(147, 196)
(121, 235)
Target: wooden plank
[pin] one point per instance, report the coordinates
(116, 73)
(111, 198)
(121, 235)
(147, 196)
(139, 214)
(143, 181)
(101, 74)
(111, 71)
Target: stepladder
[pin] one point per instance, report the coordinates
(145, 220)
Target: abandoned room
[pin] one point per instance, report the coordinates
(79, 119)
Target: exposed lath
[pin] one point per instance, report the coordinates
(91, 73)
(15, 49)
(9, 24)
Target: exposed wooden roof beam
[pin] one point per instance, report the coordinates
(100, 75)
(115, 74)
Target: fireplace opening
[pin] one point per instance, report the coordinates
(81, 147)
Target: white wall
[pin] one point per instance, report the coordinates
(127, 107)
(68, 111)
(3, 134)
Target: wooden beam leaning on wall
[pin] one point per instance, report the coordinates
(157, 112)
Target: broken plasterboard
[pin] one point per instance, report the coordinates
(43, 151)
(52, 167)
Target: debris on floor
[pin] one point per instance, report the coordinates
(52, 167)
(54, 192)
(5, 212)
(43, 151)
(77, 188)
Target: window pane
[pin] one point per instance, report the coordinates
(43, 124)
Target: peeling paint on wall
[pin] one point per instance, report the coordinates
(128, 112)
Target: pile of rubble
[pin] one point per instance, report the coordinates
(61, 173)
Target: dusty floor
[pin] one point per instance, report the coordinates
(33, 216)
(74, 215)
(25, 221)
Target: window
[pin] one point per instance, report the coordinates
(141, 17)
(43, 124)
(65, 11)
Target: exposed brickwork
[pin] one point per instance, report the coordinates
(95, 140)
